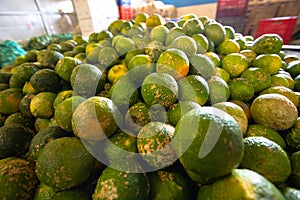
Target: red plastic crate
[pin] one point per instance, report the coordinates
(230, 8)
(125, 12)
(283, 26)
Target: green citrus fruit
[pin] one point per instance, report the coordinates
(257, 150)
(153, 144)
(290, 94)
(236, 112)
(267, 132)
(193, 88)
(64, 111)
(55, 164)
(202, 147)
(259, 79)
(159, 88)
(235, 64)
(192, 26)
(177, 110)
(241, 89)
(243, 184)
(65, 66)
(218, 90)
(263, 112)
(270, 63)
(159, 33)
(267, 44)
(186, 44)
(139, 67)
(41, 105)
(215, 32)
(154, 20)
(93, 119)
(202, 43)
(174, 62)
(18, 176)
(228, 46)
(201, 65)
(116, 72)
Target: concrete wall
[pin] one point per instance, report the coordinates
(23, 19)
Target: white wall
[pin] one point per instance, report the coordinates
(21, 20)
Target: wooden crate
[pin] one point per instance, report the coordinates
(262, 9)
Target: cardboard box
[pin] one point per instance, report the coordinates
(94, 16)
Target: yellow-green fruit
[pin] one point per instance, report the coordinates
(228, 46)
(295, 163)
(241, 89)
(116, 72)
(19, 118)
(65, 66)
(46, 80)
(259, 79)
(201, 65)
(61, 96)
(153, 144)
(202, 43)
(290, 193)
(174, 62)
(236, 112)
(274, 110)
(292, 138)
(55, 165)
(243, 184)
(267, 43)
(93, 119)
(186, 44)
(235, 64)
(177, 110)
(124, 45)
(139, 67)
(267, 132)
(270, 63)
(218, 90)
(14, 140)
(17, 179)
(168, 184)
(203, 138)
(290, 94)
(154, 20)
(87, 80)
(121, 147)
(137, 116)
(215, 32)
(41, 105)
(42, 138)
(9, 100)
(115, 184)
(258, 149)
(159, 88)
(193, 88)
(159, 33)
(64, 111)
(173, 34)
(249, 54)
(192, 26)
(124, 93)
(44, 192)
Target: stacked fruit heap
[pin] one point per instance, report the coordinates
(150, 109)
(42, 41)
